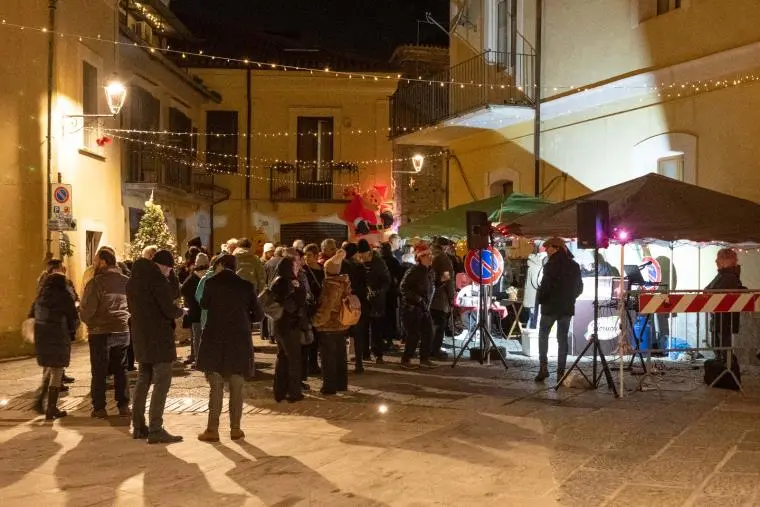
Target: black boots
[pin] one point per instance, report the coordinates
(543, 373)
(52, 411)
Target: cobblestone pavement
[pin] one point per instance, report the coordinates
(471, 435)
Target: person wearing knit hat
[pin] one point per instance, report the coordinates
(371, 285)
(268, 252)
(151, 301)
(416, 292)
(331, 331)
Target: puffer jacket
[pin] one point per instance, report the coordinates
(417, 288)
(560, 286)
(250, 268)
(334, 290)
(104, 303)
(55, 322)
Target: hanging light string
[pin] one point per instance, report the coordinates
(272, 134)
(220, 169)
(235, 156)
(669, 90)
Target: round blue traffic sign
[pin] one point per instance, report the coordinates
(489, 269)
(61, 195)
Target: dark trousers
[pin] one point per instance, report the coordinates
(332, 348)
(368, 337)
(287, 369)
(390, 324)
(160, 375)
(419, 331)
(310, 358)
(440, 323)
(108, 355)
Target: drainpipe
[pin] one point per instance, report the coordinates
(49, 138)
(448, 178)
(248, 135)
(537, 124)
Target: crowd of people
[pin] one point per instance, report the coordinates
(312, 301)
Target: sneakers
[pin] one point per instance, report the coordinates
(209, 436)
(99, 414)
(407, 365)
(163, 437)
(237, 434)
(55, 414)
(427, 364)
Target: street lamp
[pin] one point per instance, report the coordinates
(417, 162)
(116, 94)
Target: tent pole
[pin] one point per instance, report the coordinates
(623, 310)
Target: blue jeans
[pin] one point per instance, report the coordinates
(563, 330)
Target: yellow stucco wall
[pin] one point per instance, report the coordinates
(96, 182)
(278, 98)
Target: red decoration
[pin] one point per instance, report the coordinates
(102, 141)
(368, 213)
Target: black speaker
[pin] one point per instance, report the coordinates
(593, 224)
(478, 230)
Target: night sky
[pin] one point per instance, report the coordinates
(369, 27)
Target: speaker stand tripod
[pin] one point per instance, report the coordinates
(594, 342)
(481, 328)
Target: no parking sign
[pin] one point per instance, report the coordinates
(489, 269)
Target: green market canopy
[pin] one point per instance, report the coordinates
(654, 207)
(452, 223)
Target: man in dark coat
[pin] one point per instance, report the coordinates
(55, 324)
(416, 293)
(226, 351)
(560, 287)
(193, 317)
(390, 324)
(104, 310)
(371, 286)
(151, 303)
(724, 325)
(443, 296)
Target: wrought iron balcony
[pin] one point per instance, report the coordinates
(491, 80)
(307, 182)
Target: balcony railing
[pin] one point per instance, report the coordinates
(307, 182)
(148, 168)
(492, 78)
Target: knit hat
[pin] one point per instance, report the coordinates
(165, 258)
(201, 261)
(363, 246)
(334, 263)
(555, 242)
(268, 247)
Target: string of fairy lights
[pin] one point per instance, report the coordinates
(664, 90)
(263, 134)
(242, 158)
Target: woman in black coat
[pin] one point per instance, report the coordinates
(226, 351)
(289, 330)
(55, 324)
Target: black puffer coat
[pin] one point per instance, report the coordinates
(726, 324)
(232, 305)
(293, 299)
(151, 303)
(55, 322)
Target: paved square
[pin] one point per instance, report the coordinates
(473, 435)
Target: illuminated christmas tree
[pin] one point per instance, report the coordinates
(152, 230)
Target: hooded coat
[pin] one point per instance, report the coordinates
(150, 296)
(55, 322)
(250, 268)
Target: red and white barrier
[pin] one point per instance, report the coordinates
(699, 302)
